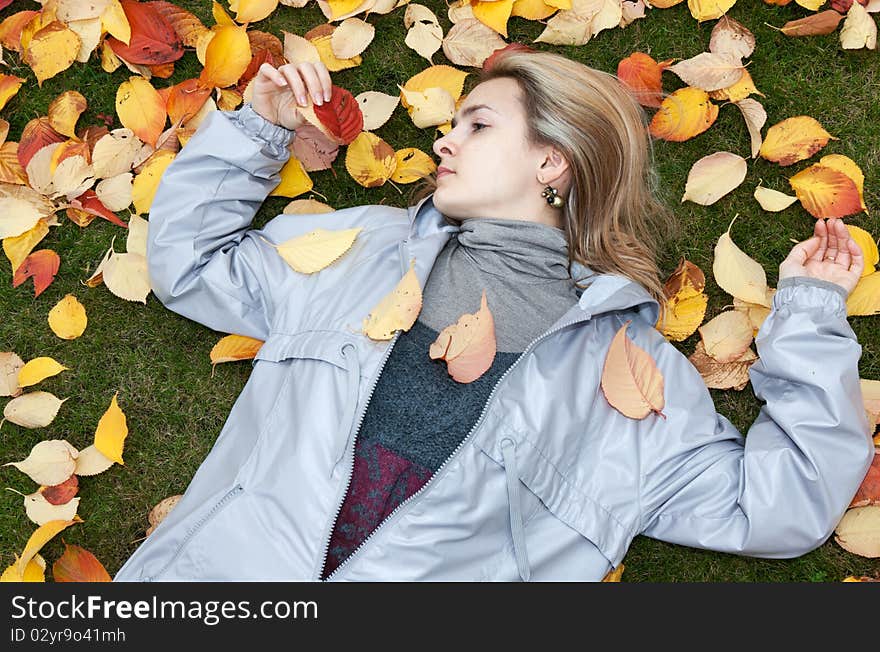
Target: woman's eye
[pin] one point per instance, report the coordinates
(478, 125)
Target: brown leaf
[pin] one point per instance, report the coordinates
(160, 511)
(723, 375)
(313, 149)
(824, 22)
(685, 274)
(186, 25)
(79, 565)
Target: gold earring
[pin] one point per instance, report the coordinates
(550, 194)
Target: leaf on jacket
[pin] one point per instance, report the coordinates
(631, 381)
(232, 348)
(714, 176)
(317, 249)
(468, 346)
(60, 494)
(398, 310)
(643, 76)
(39, 369)
(723, 375)
(42, 265)
(50, 462)
(826, 192)
(160, 510)
(686, 113)
(727, 336)
(868, 492)
(859, 29)
(736, 273)
(411, 165)
(865, 298)
(141, 109)
(91, 461)
(794, 139)
(41, 511)
(111, 432)
(370, 160)
(10, 365)
(77, 564)
(773, 201)
(859, 531)
(686, 302)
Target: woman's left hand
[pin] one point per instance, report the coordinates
(831, 255)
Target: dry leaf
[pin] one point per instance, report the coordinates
(294, 179)
(91, 461)
(412, 164)
(868, 492)
(111, 432)
(114, 153)
(824, 22)
(317, 249)
(10, 364)
(865, 298)
(141, 109)
(50, 462)
(376, 108)
(42, 265)
(39, 369)
(773, 200)
(868, 246)
(733, 37)
(398, 310)
(683, 115)
(424, 33)
(643, 76)
(41, 511)
(470, 42)
(160, 511)
(41, 536)
(794, 139)
(727, 336)
(714, 176)
(307, 207)
(433, 106)
(64, 111)
(859, 29)
(351, 38)
(709, 70)
(468, 346)
(147, 182)
(736, 273)
(709, 9)
(826, 192)
(232, 348)
(370, 160)
(631, 381)
(79, 565)
(859, 531)
(51, 50)
(227, 56)
(60, 494)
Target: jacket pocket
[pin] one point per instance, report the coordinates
(523, 460)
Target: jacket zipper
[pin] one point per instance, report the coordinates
(461, 444)
(232, 493)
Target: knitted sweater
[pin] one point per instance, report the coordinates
(418, 415)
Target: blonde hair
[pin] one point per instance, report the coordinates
(613, 219)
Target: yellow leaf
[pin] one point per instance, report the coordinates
(21, 208)
(307, 207)
(439, 76)
(376, 107)
(631, 381)
(227, 56)
(324, 46)
(755, 312)
(352, 37)
(51, 50)
(141, 109)
(115, 22)
(709, 9)
(91, 461)
(683, 314)
(317, 249)
(50, 462)
(614, 574)
(826, 192)
(433, 106)
(294, 180)
(228, 99)
(126, 276)
(859, 29)
(18, 247)
(859, 530)
(727, 336)
(867, 245)
(109, 61)
(533, 9)
(737, 274)
(41, 536)
(147, 182)
(494, 14)
(339, 8)
(65, 110)
(865, 298)
(35, 571)
(250, 11)
(9, 85)
(111, 433)
(683, 115)
(67, 318)
(33, 410)
(39, 369)
(220, 15)
(794, 139)
(235, 347)
(412, 164)
(773, 200)
(738, 91)
(398, 310)
(370, 160)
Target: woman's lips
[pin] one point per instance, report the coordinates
(443, 171)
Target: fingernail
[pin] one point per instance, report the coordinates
(302, 100)
(318, 99)
(327, 96)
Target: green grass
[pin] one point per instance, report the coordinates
(158, 361)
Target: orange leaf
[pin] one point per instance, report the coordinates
(468, 346)
(153, 41)
(826, 192)
(61, 494)
(235, 347)
(643, 75)
(78, 565)
(65, 110)
(10, 169)
(341, 115)
(88, 202)
(42, 265)
(631, 381)
(9, 85)
(794, 139)
(185, 99)
(10, 29)
(683, 115)
(869, 490)
(36, 135)
(686, 274)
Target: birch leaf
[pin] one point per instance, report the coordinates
(468, 346)
(41, 536)
(317, 249)
(709, 9)
(65, 110)
(424, 34)
(431, 107)
(411, 165)
(141, 109)
(116, 192)
(398, 310)
(819, 24)
(631, 381)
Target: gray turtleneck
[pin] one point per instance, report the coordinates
(418, 414)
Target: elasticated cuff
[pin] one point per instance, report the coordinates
(274, 138)
(812, 291)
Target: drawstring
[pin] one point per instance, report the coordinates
(354, 372)
(508, 451)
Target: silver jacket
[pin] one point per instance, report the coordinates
(551, 483)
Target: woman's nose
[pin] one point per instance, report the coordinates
(441, 146)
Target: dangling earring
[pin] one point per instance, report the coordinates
(550, 194)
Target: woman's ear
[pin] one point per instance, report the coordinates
(553, 168)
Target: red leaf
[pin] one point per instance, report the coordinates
(259, 56)
(500, 52)
(341, 115)
(89, 202)
(5, 3)
(869, 491)
(843, 5)
(42, 265)
(61, 494)
(37, 134)
(78, 565)
(153, 40)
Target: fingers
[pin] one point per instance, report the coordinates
(841, 235)
(805, 250)
(307, 78)
(833, 248)
(821, 232)
(857, 263)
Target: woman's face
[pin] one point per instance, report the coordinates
(494, 170)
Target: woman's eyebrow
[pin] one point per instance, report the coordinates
(467, 111)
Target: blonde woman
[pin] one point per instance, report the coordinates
(348, 458)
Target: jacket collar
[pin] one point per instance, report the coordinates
(605, 292)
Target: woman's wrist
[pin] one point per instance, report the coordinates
(257, 126)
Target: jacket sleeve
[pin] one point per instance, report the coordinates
(204, 263)
(780, 491)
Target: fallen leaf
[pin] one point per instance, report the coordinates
(146, 183)
(710, 71)
(733, 37)
(42, 265)
(470, 42)
(227, 56)
(631, 381)
(865, 298)
(868, 246)
(79, 565)
(773, 200)
(65, 110)
(859, 29)
(91, 461)
(141, 109)
(160, 511)
(352, 37)
(152, 40)
(826, 192)
(370, 160)
(822, 23)
(643, 76)
(686, 113)
(41, 511)
(376, 108)
(50, 462)
(10, 365)
(868, 492)
(111, 432)
(723, 375)
(51, 50)
(714, 176)
(794, 139)
(39, 369)
(60, 494)
(738, 274)
(41, 536)
(727, 336)
(859, 531)
(412, 164)
(251, 11)
(709, 9)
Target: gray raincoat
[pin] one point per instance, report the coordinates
(551, 483)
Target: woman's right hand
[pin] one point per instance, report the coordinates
(278, 91)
